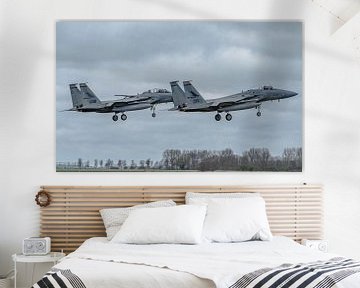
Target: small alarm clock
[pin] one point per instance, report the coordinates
(36, 246)
(320, 245)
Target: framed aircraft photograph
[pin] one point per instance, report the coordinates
(153, 96)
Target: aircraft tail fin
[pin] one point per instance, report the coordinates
(192, 94)
(88, 95)
(83, 97)
(76, 96)
(178, 95)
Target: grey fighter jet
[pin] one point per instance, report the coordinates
(191, 100)
(85, 100)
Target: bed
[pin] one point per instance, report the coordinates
(293, 210)
(99, 263)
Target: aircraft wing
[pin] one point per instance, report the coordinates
(70, 109)
(236, 99)
(253, 98)
(132, 98)
(127, 101)
(222, 103)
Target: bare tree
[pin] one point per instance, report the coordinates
(299, 158)
(80, 163)
(254, 159)
(148, 163)
(133, 165)
(109, 163)
(289, 158)
(263, 158)
(142, 164)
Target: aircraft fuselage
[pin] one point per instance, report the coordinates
(85, 100)
(240, 101)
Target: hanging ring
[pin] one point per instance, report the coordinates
(42, 198)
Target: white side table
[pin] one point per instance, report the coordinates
(53, 257)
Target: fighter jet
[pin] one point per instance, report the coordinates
(192, 101)
(85, 100)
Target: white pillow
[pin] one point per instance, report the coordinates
(180, 224)
(236, 220)
(113, 218)
(204, 198)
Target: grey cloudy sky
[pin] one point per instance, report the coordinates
(222, 58)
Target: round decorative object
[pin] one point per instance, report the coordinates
(42, 198)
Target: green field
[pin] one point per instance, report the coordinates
(60, 169)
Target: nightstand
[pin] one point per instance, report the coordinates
(53, 257)
(320, 245)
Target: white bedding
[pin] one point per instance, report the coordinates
(100, 263)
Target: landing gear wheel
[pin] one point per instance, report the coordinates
(217, 117)
(153, 115)
(228, 117)
(115, 118)
(258, 114)
(123, 117)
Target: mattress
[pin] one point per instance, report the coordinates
(99, 263)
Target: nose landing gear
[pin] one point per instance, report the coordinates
(153, 114)
(259, 111)
(217, 117)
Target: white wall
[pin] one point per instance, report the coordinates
(27, 116)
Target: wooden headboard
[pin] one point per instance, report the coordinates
(73, 215)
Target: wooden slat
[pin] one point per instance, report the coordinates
(73, 216)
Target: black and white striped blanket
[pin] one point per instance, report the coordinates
(320, 274)
(59, 278)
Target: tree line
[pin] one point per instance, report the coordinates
(254, 159)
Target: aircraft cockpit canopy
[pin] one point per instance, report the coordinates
(157, 90)
(268, 88)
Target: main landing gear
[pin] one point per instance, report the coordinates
(116, 118)
(228, 117)
(123, 117)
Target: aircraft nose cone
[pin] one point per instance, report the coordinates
(291, 94)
